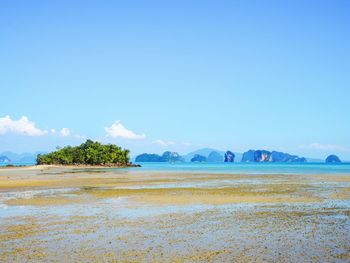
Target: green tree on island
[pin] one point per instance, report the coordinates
(88, 153)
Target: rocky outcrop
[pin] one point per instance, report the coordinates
(229, 157)
(204, 152)
(215, 157)
(256, 156)
(4, 159)
(21, 157)
(171, 157)
(148, 157)
(166, 157)
(280, 157)
(199, 158)
(248, 156)
(267, 156)
(262, 156)
(333, 159)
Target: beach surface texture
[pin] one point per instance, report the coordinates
(67, 214)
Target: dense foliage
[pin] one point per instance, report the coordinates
(90, 153)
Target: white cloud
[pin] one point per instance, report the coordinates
(65, 132)
(325, 147)
(117, 130)
(21, 126)
(163, 143)
(53, 131)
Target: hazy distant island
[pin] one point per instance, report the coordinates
(74, 156)
(88, 153)
(209, 155)
(215, 156)
(274, 156)
(4, 159)
(333, 159)
(199, 158)
(165, 157)
(11, 157)
(229, 157)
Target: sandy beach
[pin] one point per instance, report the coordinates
(57, 214)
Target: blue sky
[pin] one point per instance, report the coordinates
(177, 75)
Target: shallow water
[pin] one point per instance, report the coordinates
(236, 168)
(249, 168)
(139, 215)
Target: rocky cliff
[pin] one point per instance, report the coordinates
(229, 157)
(165, 157)
(4, 159)
(215, 157)
(286, 157)
(267, 156)
(148, 157)
(333, 159)
(171, 157)
(199, 158)
(256, 156)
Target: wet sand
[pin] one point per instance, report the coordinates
(109, 215)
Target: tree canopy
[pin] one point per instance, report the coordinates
(88, 153)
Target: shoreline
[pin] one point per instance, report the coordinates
(40, 166)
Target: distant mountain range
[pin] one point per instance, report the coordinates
(165, 157)
(201, 155)
(4, 159)
(274, 156)
(10, 157)
(207, 151)
(213, 155)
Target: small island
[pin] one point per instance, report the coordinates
(333, 159)
(89, 153)
(4, 159)
(168, 156)
(199, 158)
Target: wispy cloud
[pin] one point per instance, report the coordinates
(65, 132)
(117, 130)
(325, 147)
(163, 143)
(22, 126)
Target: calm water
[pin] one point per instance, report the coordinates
(250, 168)
(242, 168)
(17, 163)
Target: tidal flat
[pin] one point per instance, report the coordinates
(65, 214)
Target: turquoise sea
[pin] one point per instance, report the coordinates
(18, 164)
(248, 168)
(240, 168)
